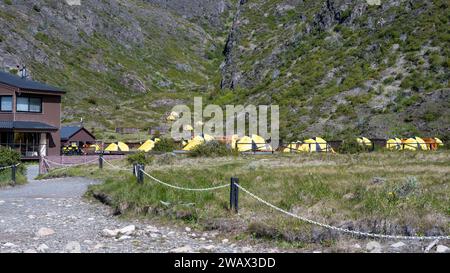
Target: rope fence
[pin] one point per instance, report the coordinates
(138, 171)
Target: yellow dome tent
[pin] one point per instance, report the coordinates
(234, 139)
(173, 116)
(245, 144)
(293, 147)
(123, 147)
(309, 145)
(414, 144)
(394, 144)
(364, 141)
(316, 144)
(147, 146)
(260, 143)
(112, 148)
(96, 146)
(439, 142)
(193, 143)
(188, 127)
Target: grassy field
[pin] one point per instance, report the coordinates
(391, 192)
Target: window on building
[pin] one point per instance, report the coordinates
(5, 103)
(29, 104)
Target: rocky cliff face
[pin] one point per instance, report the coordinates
(335, 67)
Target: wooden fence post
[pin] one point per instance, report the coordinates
(13, 174)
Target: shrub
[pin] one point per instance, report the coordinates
(140, 158)
(166, 145)
(212, 149)
(351, 147)
(408, 186)
(8, 2)
(10, 157)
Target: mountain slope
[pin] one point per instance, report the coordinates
(118, 60)
(335, 67)
(343, 67)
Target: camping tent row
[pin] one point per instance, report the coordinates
(316, 144)
(242, 144)
(414, 144)
(117, 147)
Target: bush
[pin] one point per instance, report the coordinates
(351, 147)
(140, 158)
(10, 157)
(212, 149)
(407, 187)
(166, 145)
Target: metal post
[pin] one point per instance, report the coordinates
(140, 173)
(13, 174)
(100, 161)
(135, 169)
(234, 192)
(236, 195)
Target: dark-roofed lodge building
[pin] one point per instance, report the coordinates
(30, 116)
(76, 135)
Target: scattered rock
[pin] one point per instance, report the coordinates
(183, 249)
(30, 250)
(398, 245)
(42, 232)
(73, 247)
(187, 229)
(42, 248)
(431, 245)
(247, 249)
(109, 233)
(373, 247)
(225, 241)
(98, 246)
(183, 67)
(9, 245)
(442, 249)
(349, 196)
(128, 230)
(151, 229)
(124, 237)
(208, 248)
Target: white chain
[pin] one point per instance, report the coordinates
(186, 189)
(344, 230)
(70, 165)
(113, 166)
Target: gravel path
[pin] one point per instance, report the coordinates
(52, 216)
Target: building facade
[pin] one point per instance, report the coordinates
(30, 116)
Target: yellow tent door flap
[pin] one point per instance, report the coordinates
(123, 147)
(112, 148)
